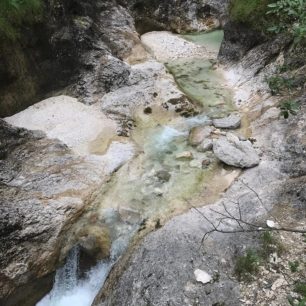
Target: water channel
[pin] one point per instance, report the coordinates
(156, 184)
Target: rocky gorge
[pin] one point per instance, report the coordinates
(152, 141)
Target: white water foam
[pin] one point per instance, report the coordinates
(68, 290)
(197, 121)
(166, 136)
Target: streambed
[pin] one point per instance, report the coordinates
(155, 185)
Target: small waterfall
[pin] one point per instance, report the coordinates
(69, 290)
(66, 277)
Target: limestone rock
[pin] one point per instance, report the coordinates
(184, 155)
(202, 276)
(44, 187)
(198, 134)
(206, 145)
(181, 16)
(233, 121)
(149, 84)
(235, 152)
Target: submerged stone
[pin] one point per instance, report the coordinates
(163, 175)
(184, 155)
(196, 164)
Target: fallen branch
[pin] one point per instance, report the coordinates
(243, 226)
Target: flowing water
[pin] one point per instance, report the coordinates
(152, 187)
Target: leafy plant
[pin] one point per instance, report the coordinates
(247, 265)
(278, 84)
(289, 107)
(297, 302)
(252, 12)
(299, 288)
(14, 13)
(269, 245)
(291, 16)
(294, 265)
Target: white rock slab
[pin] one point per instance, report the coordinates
(202, 276)
(67, 119)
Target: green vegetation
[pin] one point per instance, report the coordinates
(252, 13)
(15, 13)
(289, 107)
(269, 245)
(299, 288)
(291, 18)
(247, 265)
(279, 84)
(272, 16)
(294, 266)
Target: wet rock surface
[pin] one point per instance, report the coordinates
(149, 85)
(170, 255)
(41, 194)
(44, 187)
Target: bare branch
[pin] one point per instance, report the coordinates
(243, 225)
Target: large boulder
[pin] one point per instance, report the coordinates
(44, 187)
(177, 16)
(235, 152)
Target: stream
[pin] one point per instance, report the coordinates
(157, 184)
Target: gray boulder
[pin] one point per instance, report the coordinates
(233, 121)
(206, 145)
(44, 188)
(199, 134)
(235, 152)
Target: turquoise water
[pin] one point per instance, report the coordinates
(211, 40)
(200, 79)
(201, 83)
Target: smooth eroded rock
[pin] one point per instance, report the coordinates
(184, 155)
(198, 134)
(205, 146)
(235, 152)
(233, 121)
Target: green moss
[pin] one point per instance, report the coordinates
(14, 13)
(252, 12)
